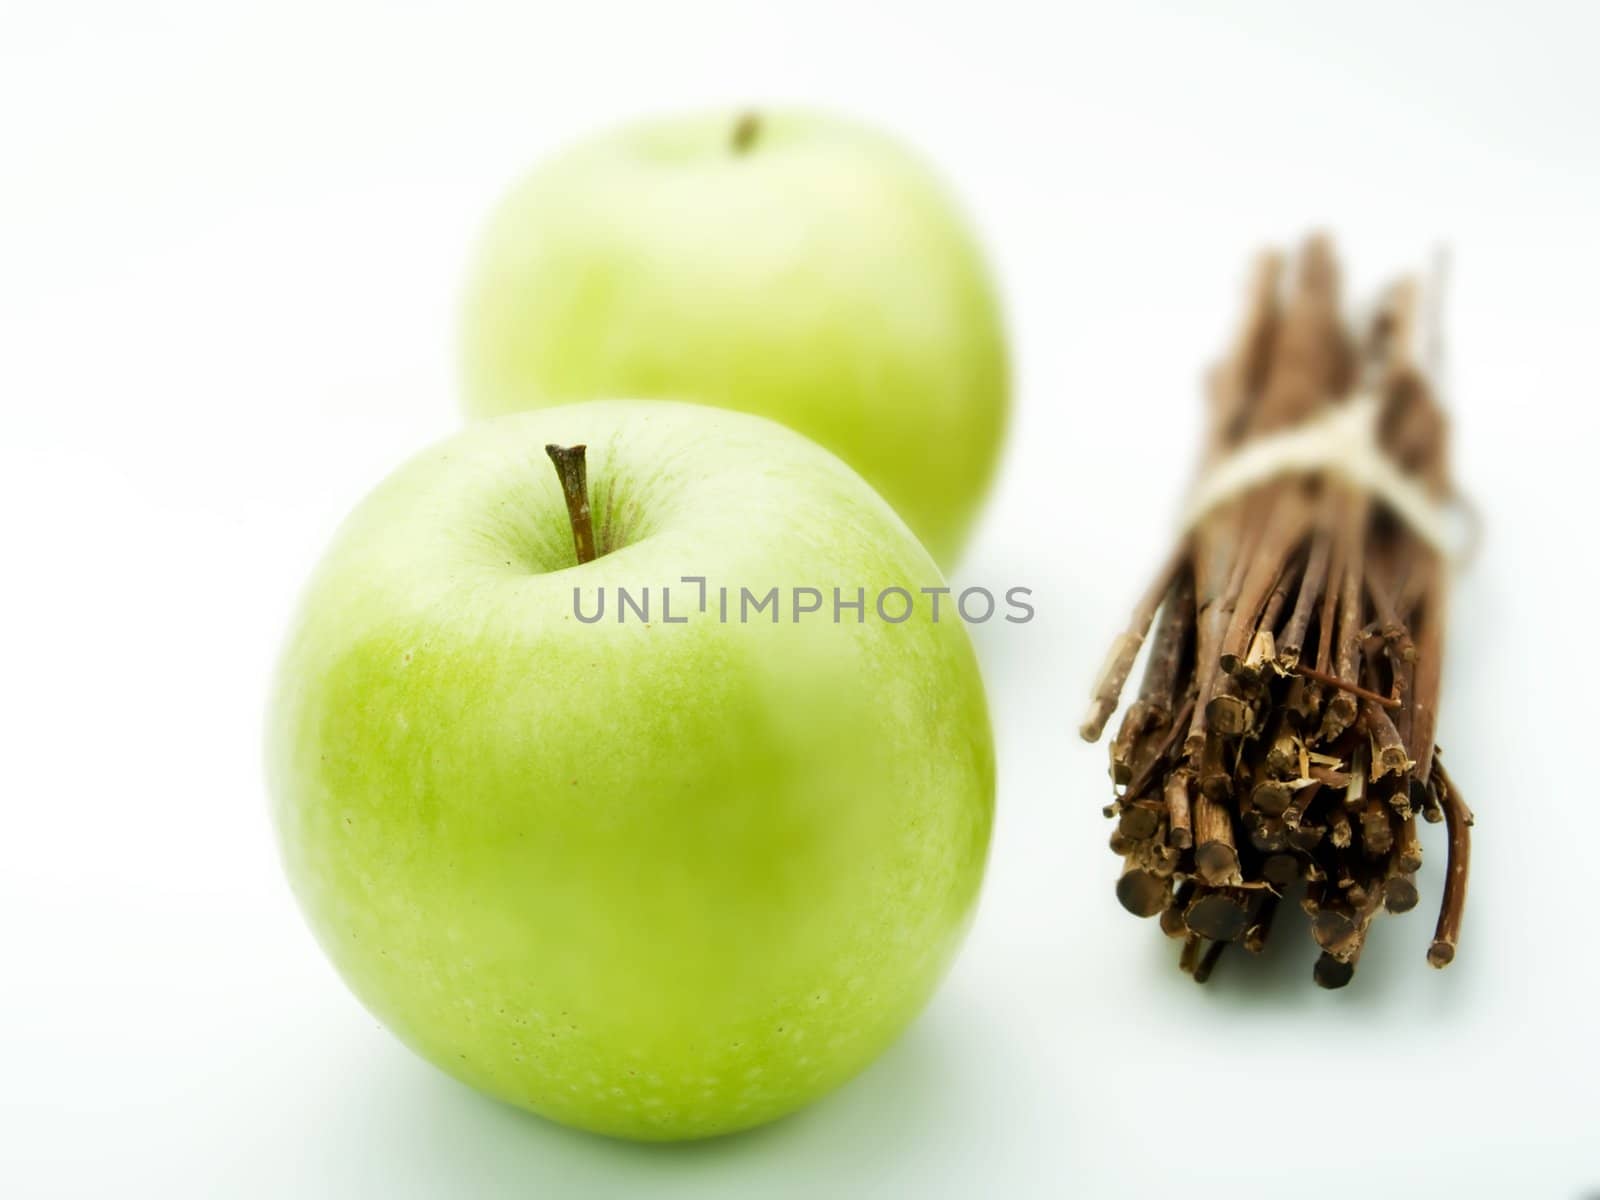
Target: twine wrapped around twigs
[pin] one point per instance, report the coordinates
(1284, 725)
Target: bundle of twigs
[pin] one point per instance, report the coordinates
(1284, 728)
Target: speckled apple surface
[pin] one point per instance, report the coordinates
(802, 267)
(653, 880)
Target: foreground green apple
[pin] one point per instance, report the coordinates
(658, 878)
(790, 265)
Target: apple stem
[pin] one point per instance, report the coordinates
(574, 472)
(745, 130)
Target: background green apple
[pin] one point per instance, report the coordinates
(795, 266)
(655, 880)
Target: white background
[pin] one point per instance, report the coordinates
(231, 243)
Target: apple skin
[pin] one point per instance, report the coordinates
(656, 881)
(821, 277)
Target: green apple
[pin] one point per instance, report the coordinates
(658, 877)
(788, 264)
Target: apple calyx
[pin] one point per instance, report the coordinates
(745, 131)
(571, 465)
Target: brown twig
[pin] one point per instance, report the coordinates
(1458, 824)
(1344, 685)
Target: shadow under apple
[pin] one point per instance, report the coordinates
(439, 1137)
